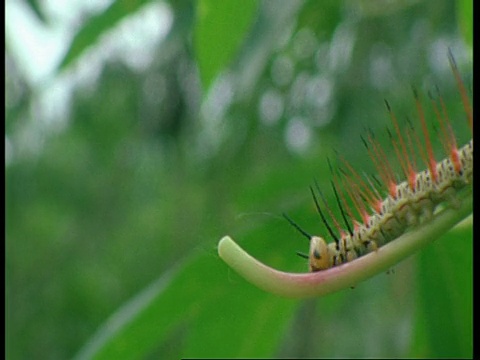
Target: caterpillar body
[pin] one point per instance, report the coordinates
(408, 203)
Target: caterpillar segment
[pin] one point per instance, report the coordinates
(396, 214)
(407, 204)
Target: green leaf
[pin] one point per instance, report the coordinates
(465, 19)
(446, 295)
(220, 29)
(96, 26)
(36, 8)
(204, 297)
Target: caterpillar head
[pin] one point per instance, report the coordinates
(320, 255)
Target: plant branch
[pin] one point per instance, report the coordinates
(303, 285)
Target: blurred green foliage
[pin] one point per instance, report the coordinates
(114, 208)
(219, 30)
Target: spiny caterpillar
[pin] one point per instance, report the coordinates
(408, 203)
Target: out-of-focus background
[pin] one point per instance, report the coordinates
(138, 133)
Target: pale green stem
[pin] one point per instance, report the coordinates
(303, 285)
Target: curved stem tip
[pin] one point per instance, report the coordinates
(303, 285)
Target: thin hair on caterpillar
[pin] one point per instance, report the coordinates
(257, 214)
(386, 206)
